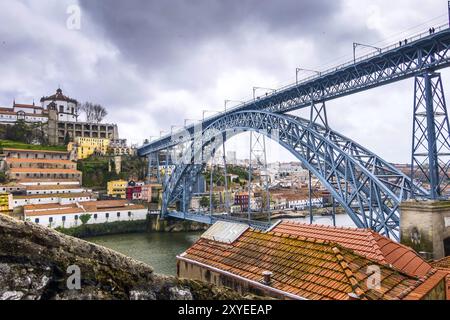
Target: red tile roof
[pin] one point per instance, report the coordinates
(420, 291)
(442, 263)
(365, 242)
(39, 170)
(35, 151)
(34, 160)
(306, 267)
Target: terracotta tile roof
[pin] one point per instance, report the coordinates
(38, 170)
(306, 267)
(107, 203)
(32, 207)
(55, 195)
(365, 242)
(112, 209)
(29, 106)
(425, 287)
(442, 263)
(25, 160)
(54, 212)
(35, 151)
(55, 181)
(54, 187)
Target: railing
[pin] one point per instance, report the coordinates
(328, 71)
(207, 218)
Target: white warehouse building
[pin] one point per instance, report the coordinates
(69, 216)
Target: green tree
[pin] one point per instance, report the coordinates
(3, 177)
(85, 218)
(20, 131)
(204, 201)
(67, 138)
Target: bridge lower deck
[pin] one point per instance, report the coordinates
(211, 219)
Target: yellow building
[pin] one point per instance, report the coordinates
(5, 202)
(86, 146)
(117, 188)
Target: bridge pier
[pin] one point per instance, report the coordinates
(425, 226)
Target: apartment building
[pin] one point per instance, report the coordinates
(86, 146)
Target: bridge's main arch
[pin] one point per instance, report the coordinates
(367, 187)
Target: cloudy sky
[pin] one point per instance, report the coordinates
(153, 63)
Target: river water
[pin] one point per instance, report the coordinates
(159, 249)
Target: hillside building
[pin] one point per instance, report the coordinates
(58, 115)
(84, 147)
(68, 216)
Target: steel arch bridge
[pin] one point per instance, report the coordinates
(367, 187)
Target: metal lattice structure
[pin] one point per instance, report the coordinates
(366, 186)
(431, 131)
(394, 63)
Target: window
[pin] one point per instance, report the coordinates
(36, 220)
(76, 217)
(63, 218)
(107, 215)
(95, 216)
(129, 213)
(118, 214)
(50, 219)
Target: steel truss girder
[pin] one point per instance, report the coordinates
(429, 53)
(431, 134)
(366, 186)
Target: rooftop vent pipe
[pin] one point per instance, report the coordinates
(267, 277)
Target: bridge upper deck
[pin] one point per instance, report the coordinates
(425, 51)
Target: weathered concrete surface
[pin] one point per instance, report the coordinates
(424, 226)
(34, 262)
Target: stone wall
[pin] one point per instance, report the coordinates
(192, 271)
(174, 225)
(424, 225)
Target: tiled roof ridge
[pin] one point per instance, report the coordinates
(375, 234)
(290, 236)
(369, 233)
(325, 226)
(347, 271)
(372, 239)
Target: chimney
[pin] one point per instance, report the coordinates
(267, 275)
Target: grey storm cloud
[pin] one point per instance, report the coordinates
(153, 63)
(155, 31)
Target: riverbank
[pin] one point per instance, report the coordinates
(38, 263)
(153, 223)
